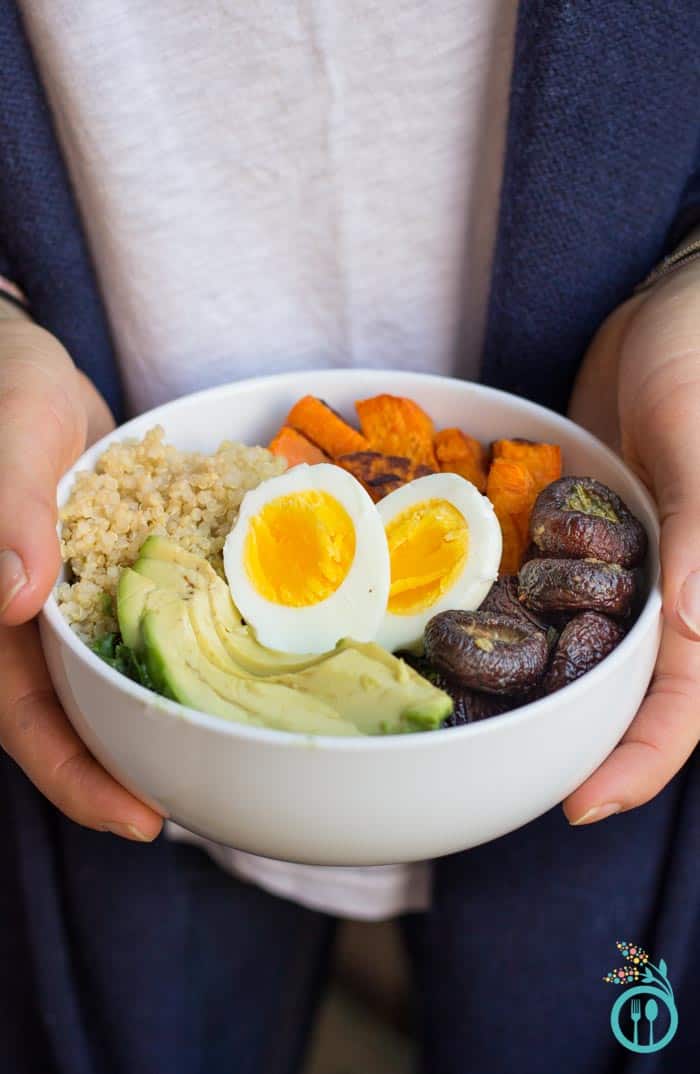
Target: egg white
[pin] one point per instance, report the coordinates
(355, 609)
(479, 570)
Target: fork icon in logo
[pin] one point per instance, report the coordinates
(655, 988)
(635, 1015)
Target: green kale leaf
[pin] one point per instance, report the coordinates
(119, 656)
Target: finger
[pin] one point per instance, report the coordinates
(35, 731)
(657, 744)
(99, 416)
(42, 431)
(664, 423)
(673, 469)
(593, 402)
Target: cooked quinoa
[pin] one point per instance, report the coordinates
(144, 487)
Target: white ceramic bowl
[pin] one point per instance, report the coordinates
(358, 801)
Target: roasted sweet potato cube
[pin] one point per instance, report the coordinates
(320, 424)
(381, 474)
(512, 491)
(542, 460)
(295, 447)
(457, 453)
(398, 427)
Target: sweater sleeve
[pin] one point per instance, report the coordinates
(6, 266)
(688, 215)
(42, 245)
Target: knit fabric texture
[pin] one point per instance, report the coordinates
(42, 246)
(602, 158)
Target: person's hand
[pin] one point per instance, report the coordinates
(639, 389)
(48, 412)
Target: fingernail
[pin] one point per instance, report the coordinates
(127, 831)
(13, 577)
(689, 602)
(599, 812)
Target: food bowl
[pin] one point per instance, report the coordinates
(365, 800)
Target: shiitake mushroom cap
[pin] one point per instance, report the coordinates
(585, 640)
(470, 705)
(502, 599)
(486, 651)
(576, 585)
(581, 518)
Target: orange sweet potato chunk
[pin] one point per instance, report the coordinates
(324, 428)
(457, 453)
(542, 460)
(512, 491)
(381, 474)
(295, 448)
(398, 427)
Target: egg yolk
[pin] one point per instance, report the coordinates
(428, 547)
(299, 548)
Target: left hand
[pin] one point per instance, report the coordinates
(639, 390)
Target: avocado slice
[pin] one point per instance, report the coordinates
(172, 677)
(193, 586)
(180, 670)
(168, 565)
(132, 590)
(198, 651)
(166, 575)
(163, 548)
(373, 690)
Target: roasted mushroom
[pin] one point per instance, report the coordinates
(585, 641)
(576, 585)
(469, 705)
(486, 651)
(502, 599)
(580, 518)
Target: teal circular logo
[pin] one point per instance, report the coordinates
(643, 1018)
(643, 1003)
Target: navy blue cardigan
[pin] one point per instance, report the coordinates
(602, 170)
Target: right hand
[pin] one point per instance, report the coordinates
(49, 412)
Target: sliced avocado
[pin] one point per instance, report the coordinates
(168, 565)
(242, 644)
(132, 590)
(198, 651)
(167, 575)
(373, 690)
(193, 585)
(180, 670)
(209, 641)
(164, 549)
(173, 678)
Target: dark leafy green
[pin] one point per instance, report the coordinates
(119, 656)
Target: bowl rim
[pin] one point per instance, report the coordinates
(52, 619)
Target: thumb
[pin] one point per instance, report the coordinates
(659, 406)
(42, 431)
(673, 462)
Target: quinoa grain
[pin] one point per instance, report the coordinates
(140, 488)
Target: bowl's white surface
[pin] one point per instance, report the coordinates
(370, 800)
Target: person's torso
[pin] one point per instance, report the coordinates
(282, 186)
(285, 187)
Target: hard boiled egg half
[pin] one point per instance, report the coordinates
(444, 545)
(307, 560)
